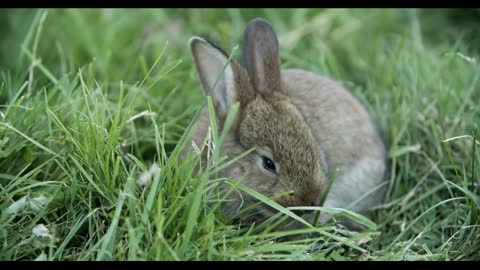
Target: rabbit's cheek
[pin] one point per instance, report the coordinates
(236, 172)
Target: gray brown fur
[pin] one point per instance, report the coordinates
(309, 125)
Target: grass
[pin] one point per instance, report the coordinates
(92, 101)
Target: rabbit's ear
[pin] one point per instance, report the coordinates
(209, 62)
(261, 56)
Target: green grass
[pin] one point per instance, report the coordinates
(91, 99)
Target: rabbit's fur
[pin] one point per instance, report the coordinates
(307, 124)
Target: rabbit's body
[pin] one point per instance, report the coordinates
(354, 151)
(306, 129)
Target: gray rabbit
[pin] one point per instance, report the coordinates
(306, 128)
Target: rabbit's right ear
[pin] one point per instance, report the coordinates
(209, 62)
(261, 56)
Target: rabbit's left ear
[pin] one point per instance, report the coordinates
(209, 62)
(261, 56)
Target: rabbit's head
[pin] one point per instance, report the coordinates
(287, 159)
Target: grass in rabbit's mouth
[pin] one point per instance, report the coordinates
(93, 102)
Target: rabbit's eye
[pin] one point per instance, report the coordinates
(269, 165)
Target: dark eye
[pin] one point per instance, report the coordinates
(269, 165)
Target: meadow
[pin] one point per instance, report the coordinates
(95, 101)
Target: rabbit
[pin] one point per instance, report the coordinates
(306, 130)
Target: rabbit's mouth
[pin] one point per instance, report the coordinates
(256, 215)
(262, 213)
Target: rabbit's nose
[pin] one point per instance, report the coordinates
(311, 199)
(307, 199)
